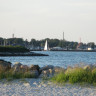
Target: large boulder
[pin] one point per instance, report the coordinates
(35, 73)
(34, 67)
(24, 68)
(47, 73)
(17, 64)
(4, 65)
(47, 67)
(17, 67)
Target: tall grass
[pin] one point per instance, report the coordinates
(76, 75)
(10, 74)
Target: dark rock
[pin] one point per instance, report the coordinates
(47, 67)
(35, 67)
(5, 65)
(47, 73)
(35, 73)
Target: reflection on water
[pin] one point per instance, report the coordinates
(55, 58)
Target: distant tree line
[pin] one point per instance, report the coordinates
(15, 49)
(60, 43)
(41, 43)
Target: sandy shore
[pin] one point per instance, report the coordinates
(35, 87)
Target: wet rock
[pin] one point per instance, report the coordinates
(5, 65)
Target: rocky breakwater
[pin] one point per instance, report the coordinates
(36, 71)
(18, 70)
(72, 74)
(21, 54)
(27, 71)
(50, 70)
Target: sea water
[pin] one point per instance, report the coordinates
(56, 58)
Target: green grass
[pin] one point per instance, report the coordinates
(10, 75)
(76, 75)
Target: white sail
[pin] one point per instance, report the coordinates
(46, 46)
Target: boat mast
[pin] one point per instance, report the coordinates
(63, 36)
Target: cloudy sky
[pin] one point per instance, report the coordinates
(41, 19)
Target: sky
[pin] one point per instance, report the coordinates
(42, 19)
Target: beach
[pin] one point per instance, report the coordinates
(37, 87)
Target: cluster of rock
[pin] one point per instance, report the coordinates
(48, 70)
(45, 71)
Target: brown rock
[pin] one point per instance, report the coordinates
(24, 68)
(17, 67)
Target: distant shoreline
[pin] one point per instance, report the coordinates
(70, 50)
(76, 50)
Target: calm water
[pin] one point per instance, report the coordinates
(55, 58)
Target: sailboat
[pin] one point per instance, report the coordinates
(46, 46)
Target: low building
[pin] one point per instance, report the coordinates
(90, 48)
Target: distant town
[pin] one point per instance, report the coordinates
(52, 44)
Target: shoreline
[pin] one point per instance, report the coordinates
(69, 50)
(76, 50)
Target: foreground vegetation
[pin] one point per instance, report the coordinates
(13, 49)
(10, 75)
(85, 74)
(18, 71)
(76, 75)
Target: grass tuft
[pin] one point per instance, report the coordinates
(76, 75)
(10, 74)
